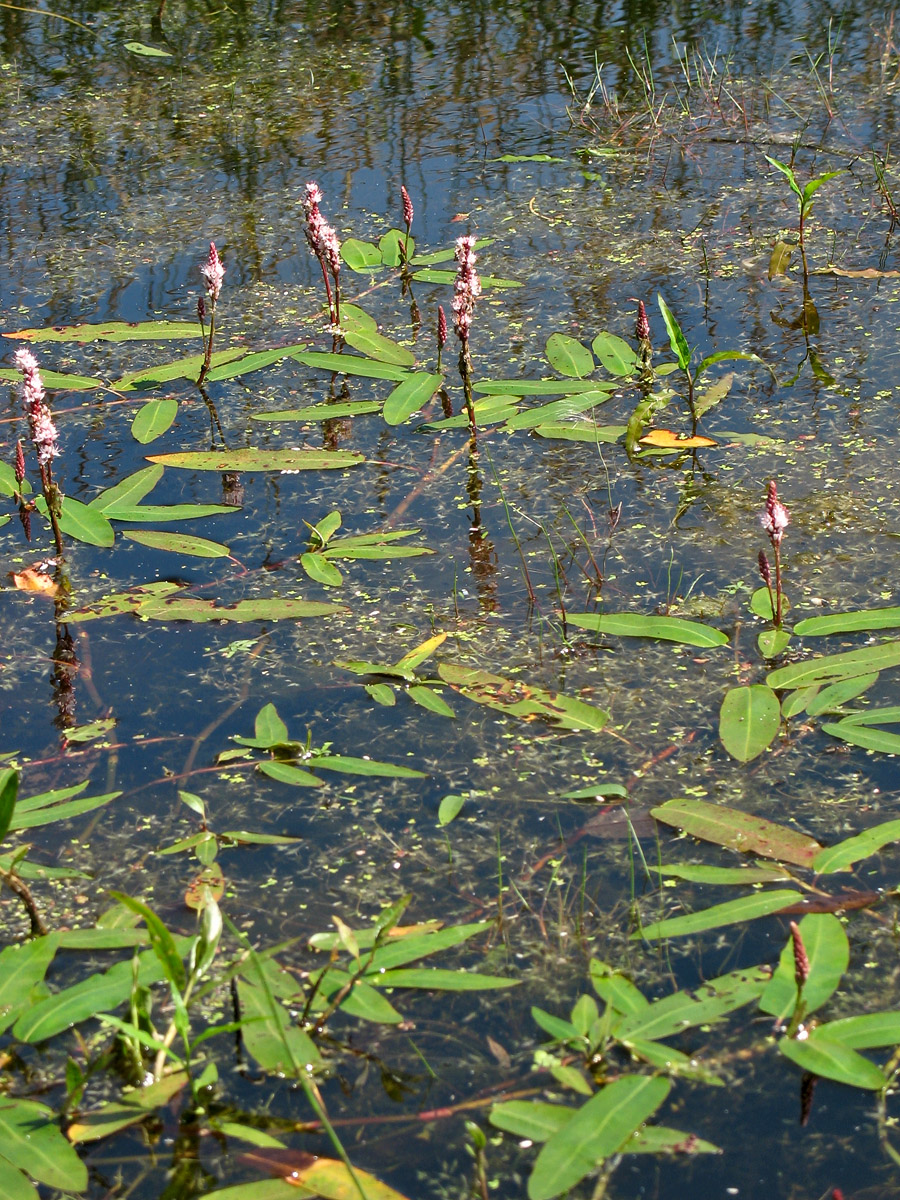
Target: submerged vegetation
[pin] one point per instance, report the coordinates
(377, 847)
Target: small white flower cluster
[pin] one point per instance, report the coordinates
(776, 518)
(323, 241)
(466, 289)
(43, 431)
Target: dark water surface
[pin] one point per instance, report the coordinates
(116, 170)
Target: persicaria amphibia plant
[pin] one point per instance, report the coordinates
(213, 274)
(774, 519)
(326, 246)
(45, 438)
(467, 289)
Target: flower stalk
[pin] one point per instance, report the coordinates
(45, 439)
(213, 276)
(326, 246)
(467, 289)
(774, 519)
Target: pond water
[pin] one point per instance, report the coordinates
(605, 155)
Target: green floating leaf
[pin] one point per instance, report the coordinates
(376, 345)
(487, 281)
(181, 368)
(538, 387)
(850, 622)
(568, 356)
(364, 766)
(382, 693)
(260, 460)
(689, 1009)
(156, 513)
(436, 979)
(616, 989)
(870, 1031)
(393, 247)
(761, 604)
(109, 331)
(268, 729)
(428, 698)
(581, 433)
(22, 968)
(409, 396)
(596, 1131)
(615, 354)
(557, 410)
(450, 808)
(269, 1034)
(848, 665)
(177, 543)
(741, 876)
(520, 158)
(834, 696)
(319, 569)
(277, 608)
(738, 830)
(288, 773)
(81, 522)
(320, 412)
(658, 1139)
(439, 256)
(732, 912)
(144, 51)
(129, 491)
(360, 256)
(713, 395)
(113, 1116)
(864, 736)
(53, 806)
(57, 381)
(843, 855)
(772, 642)
(833, 1060)
(532, 1119)
(670, 629)
(522, 700)
(749, 720)
(31, 1140)
(797, 701)
(248, 363)
(350, 364)
(828, 951)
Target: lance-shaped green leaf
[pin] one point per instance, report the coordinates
(828, 952)
(581, 433)
(849, 622)
(688, 1009)
(749, 721)
(248, 363)
(732, 912)
(833, 1060)
(22, 969)
(540, 387)
(843, 855)
(9, 790)
(519, 699)
(350, 364)
(269, 1034)
(429, 275)
(31, 1140)
(81, 522)
(677, 340)
(277, 608)
(870, 1031)
(532, 1119)
(187, 367)
(670, 629)
(259, 460)
(864, 736)
(833, 697)
(57, 381)
(177, 543)
(850, 664)
(360, 256)
(319, 569)
(376, 345)
(129, 491)
(596, 1131)
(557, 410)
(409, 396)
(109, 331)
(738, 830)
(321, 412)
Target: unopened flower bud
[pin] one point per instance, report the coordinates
(764, 569)
(407, 208)
(642, 325)
(801, 959)
(20, 463)
(776, 518)
(442, 327)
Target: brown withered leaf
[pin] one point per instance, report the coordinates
(33, 580)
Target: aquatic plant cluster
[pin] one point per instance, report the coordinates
(187, 1024)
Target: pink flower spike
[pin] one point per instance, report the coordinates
(642, 325)
(213, 273)
(43, 431)
(776, 517)
(467, 288)
(407, 207)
